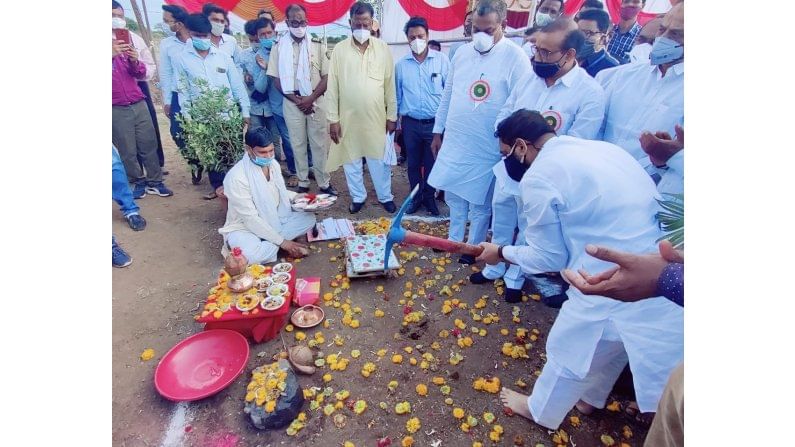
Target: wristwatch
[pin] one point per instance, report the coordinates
(499, 251)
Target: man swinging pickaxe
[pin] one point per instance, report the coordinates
(397, 234)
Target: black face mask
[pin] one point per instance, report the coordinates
(514, 167)
(546, 69)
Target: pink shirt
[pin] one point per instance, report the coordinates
(125, 80)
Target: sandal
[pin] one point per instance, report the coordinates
(632, 411)
(292, 181)
(210, 195)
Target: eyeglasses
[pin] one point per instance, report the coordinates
(544, 54)
(296, 23)
(589, 34)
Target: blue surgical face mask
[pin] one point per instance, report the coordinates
(267, 43)
(201, 44)
(666, 50)
(261, 161)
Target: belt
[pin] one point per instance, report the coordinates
(128, 105)
(425, 121)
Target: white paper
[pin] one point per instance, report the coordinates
(390, 157)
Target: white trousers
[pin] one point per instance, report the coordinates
(461, 210)
(260, 251)
(380, 174)
(506, 217)
(557, 390)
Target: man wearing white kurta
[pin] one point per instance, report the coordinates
(484, 73)
(649, 97)
(362, 105)
(260, 219)
(574, 105)
(578, 192)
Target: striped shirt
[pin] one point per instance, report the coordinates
(621, 43)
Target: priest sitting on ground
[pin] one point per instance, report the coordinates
(260, 219)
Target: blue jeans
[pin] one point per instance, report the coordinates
(286, 146)
(121, 189)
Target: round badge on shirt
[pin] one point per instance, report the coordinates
(479, 90)
(553, 118)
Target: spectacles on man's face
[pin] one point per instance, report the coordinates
(545, 55)
(589, 34)
(296, 23)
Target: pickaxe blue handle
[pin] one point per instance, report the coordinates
(397, 233)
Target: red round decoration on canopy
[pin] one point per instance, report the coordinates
(439, 19)
(319, 13)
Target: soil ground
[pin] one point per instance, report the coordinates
(176, 261)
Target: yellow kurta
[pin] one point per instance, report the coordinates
(361, 97)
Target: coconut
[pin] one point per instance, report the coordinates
(302, 359)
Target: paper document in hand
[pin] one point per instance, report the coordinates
(331, 228)
(390, 157)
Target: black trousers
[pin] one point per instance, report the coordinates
(153, 113)
(417, 136)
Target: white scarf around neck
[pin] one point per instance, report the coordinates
(286, 67)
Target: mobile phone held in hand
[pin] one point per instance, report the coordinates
(123, 34)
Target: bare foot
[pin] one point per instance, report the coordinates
(584, 407)
(517, 402)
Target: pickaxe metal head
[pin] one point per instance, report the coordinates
(396, 232)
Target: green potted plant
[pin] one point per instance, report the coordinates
(212, 127)
(672, 219)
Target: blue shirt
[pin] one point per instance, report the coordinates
(275, 97)
(217, 69)
(248, 64)
(419, 86)
(170, 47)
(621, 43)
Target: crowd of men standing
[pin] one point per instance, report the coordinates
(582, 123)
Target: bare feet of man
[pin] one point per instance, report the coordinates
(517, 402)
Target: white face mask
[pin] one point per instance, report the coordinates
(418, 46)
(119, 23)
(218, 28)
(482, 42)
(298, 32)
(543, 19)
(640, 53)
(529, 49)
(361, 35)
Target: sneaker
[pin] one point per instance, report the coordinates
(478, 278)
(120, 257)
(355, 207)
(330, 190)
(466, 259)
(139, 190)
(159, 189)
(136, 222)
(389, 206)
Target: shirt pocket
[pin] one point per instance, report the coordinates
(375, 71)
(436, 83)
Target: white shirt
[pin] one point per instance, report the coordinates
(580, 192)
(229, 46)
(672, 179)
(575, 102)
(476, 90)
(216, 68)
(639, 98)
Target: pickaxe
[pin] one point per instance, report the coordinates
(398, 234)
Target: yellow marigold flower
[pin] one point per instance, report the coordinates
(379, 313)
(250, 396)
(381, 352)
(444, 333)
(488, 417)
(408, 441)
(607, 440)
(354, 323)
(477, 444)
(302, 417)
(424, 364)
(614, 406)
(455, 301)
(147, 354)
(413, 361)
(403, 408)
(348, 444)
(458, 413)
(327, 378)
(412, 425)
(408, 349)
(494, 436)
(328, 296)
(392, 385)
(355, 353)
(504, 331)
(379, 288)
(397, 358)
(448, 401)
(270, 406)
(289, 328)
(482, 333)
(575, 421)
(421, 389)
(438, 380)
(465, 427)
(300, 336)
(498, 429)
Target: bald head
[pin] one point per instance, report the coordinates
(673, 24)
(649, 31)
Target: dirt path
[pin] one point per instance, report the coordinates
(177, 256)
